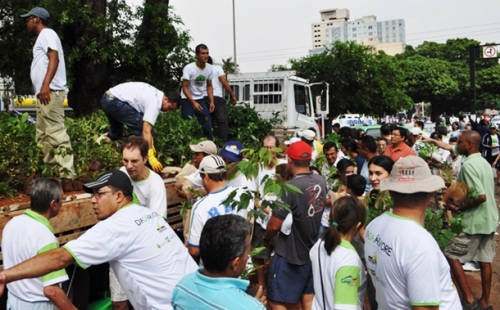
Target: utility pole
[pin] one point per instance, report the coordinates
(234, 40)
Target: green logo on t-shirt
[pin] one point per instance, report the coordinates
(350, 280)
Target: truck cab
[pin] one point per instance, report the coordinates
(283, 94)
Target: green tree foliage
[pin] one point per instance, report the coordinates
(229, 66)
(439, 73)
(105, 43)
(359, 79)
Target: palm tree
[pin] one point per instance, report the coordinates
(229, 66)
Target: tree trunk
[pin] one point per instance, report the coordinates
(92, 78)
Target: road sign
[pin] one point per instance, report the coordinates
(490, 52)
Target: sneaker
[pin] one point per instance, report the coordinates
(470, 266)
(472, 306)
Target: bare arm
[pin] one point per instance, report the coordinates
(44, 94)
(57, 296)
(210, 93)
(193, 251)
(273, 227)
(468, 205)
(425, 307)
(224, 83)
(37, 266)
(146, 133)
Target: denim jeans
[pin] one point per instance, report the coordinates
(219, 119)
(203, 117)
(120, 113)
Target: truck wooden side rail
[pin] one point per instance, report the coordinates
(77, 216)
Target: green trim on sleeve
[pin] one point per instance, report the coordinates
(347, 283)
(423, 304)
(54, 275)
(48, 247)
(40, 218)
(135, 199)
(77, 261)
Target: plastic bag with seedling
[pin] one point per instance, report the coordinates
(251, 267)
(446, 172)
(426, 151)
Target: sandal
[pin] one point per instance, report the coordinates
(472, 306)
(479, 306)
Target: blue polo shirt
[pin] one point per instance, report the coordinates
(197, 291)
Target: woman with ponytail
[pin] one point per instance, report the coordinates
(338, 273)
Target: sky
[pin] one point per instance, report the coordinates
(273, 31)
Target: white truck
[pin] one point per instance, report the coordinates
(285, 93)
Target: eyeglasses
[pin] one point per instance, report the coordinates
(99, 194)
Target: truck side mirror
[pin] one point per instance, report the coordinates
(323, 100)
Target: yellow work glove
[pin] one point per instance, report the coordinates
(154, 162)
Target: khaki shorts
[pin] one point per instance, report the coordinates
(467, 247)
(117, 292)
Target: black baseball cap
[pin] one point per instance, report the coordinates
(115, 178)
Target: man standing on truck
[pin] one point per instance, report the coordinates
(145, 253)
(27, 235)
(197, 84)
(137, 105)
(149, 192)
(219, 115)
(48, 75)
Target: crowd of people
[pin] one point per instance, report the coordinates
(320, 252)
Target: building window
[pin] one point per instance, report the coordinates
(393, 28)
(369, 27)
(370, 33)
(354, 35)
(353, 29)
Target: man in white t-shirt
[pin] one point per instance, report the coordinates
(404, 261)
(48, 75)
(220, 121)
(145, 253)
(149, 191)
(213, 175)
(196, 85)
(30, 234)
(136, 105)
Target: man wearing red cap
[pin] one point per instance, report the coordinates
(290, 275)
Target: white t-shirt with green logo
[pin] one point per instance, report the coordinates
(494, 144)
(343, 274)
(406, 265)
(197, 78)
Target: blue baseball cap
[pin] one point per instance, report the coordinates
(38, 12)
(232, 151)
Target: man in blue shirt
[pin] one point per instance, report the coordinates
(224, 248)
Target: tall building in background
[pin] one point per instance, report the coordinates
(388, 36)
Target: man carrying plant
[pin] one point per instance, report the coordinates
(224, 248)
(404, 261)
(29, 234)
(480, 222)
(136, 105)
(48, 75)
(197, 84)
(290, 275)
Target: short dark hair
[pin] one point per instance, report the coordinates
(329, 145)
(357, 184)
(210, 61)
(343, 164)
(420, 124)
(386, 129)
(136, 142)
(44, 21)
(200, 47)
(347, 132)
(223, 238)
(416, 198)
(336, 125)
(350, 144)
(369, 143)
(442, 130)
(125, 193)
(42, 192)
(436, 134)
(174, 97)
(301, 163)
(402, 131)
(382, 161)
(216, 177)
